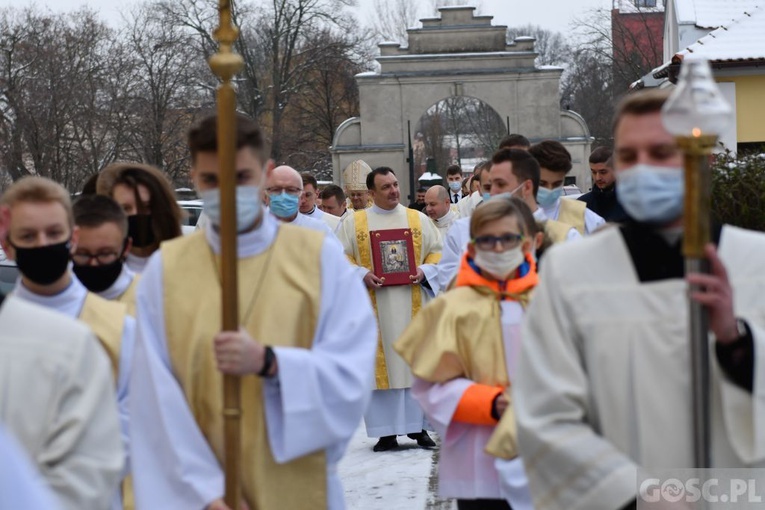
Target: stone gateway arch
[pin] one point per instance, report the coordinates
(457, 54)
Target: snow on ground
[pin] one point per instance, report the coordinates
(404, 478)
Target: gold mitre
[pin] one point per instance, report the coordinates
(355, 176)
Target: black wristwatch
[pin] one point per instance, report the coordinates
(268, 362)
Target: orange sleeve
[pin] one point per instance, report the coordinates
(475, 405)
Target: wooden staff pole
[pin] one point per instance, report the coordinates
(226, 64)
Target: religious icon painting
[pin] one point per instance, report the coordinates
(393, 256)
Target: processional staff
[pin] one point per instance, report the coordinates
(696, 114)
(225, 65)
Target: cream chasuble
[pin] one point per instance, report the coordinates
(603, 381)
(282, 305)
(395, 305)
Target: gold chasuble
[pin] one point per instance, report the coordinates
(459, 335)
(279, 298)
(557, 231)
(387, 377)
(107, 320)
(128, 297)
(572, 213)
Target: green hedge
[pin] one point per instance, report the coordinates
(738, 190)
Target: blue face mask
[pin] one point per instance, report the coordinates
(248, 206)
(284, 205)
(651, 194)
(547, 197)
(486, 196)
(455, 186)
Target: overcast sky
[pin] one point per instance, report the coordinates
(551, 14)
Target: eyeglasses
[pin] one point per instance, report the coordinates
(84, 259)
(291, 190)
(507, 241)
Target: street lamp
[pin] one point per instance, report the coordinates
(696, 113)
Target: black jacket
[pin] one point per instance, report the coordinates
(604, 203)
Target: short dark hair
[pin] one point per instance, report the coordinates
(380, 170)
(333, 190)
(601, 155)
(309, 179)
(92, 211)
(89, 188)
(552, 155)
(454, 170)
(514, 140)
(203, 137)
(522, 164)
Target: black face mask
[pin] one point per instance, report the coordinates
(140, 230)
(98, 278)
(43, 265)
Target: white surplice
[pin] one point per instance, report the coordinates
(444, 222)
(331, 221)
(70, 302)
(120, 285)
(604, 383)
(57, 399)
(135, 263)
(465, 470)
(393, 411)
(314, 403)
(21, 486)
(467, 205)
(592, 221)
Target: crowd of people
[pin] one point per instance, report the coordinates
(543, 339)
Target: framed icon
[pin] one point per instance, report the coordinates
(393, 256)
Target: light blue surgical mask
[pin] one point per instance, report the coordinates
(547, 197)
(486, 196)
(508, 194)
(651, 194)
(283, 205)
(248, 206)
(455, 186)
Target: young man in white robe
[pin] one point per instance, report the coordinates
(102, 249)
(57, 399)
(41, 240)
(555, 162)
(393, 411)
(604, 378)
(305, 352)
(308, 198)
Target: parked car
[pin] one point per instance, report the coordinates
(9, 273)
(192, 208)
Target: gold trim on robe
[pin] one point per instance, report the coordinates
(361, 224)
(279, 299)
(107, 321)
(129, 296)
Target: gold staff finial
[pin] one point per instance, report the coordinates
(225, 65)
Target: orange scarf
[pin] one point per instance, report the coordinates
(514, 289)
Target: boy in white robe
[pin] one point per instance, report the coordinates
(604, 379)
(463, 348)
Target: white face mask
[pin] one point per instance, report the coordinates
(500, 264)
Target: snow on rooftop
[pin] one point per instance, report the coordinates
(712, 13)
(742, 39)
